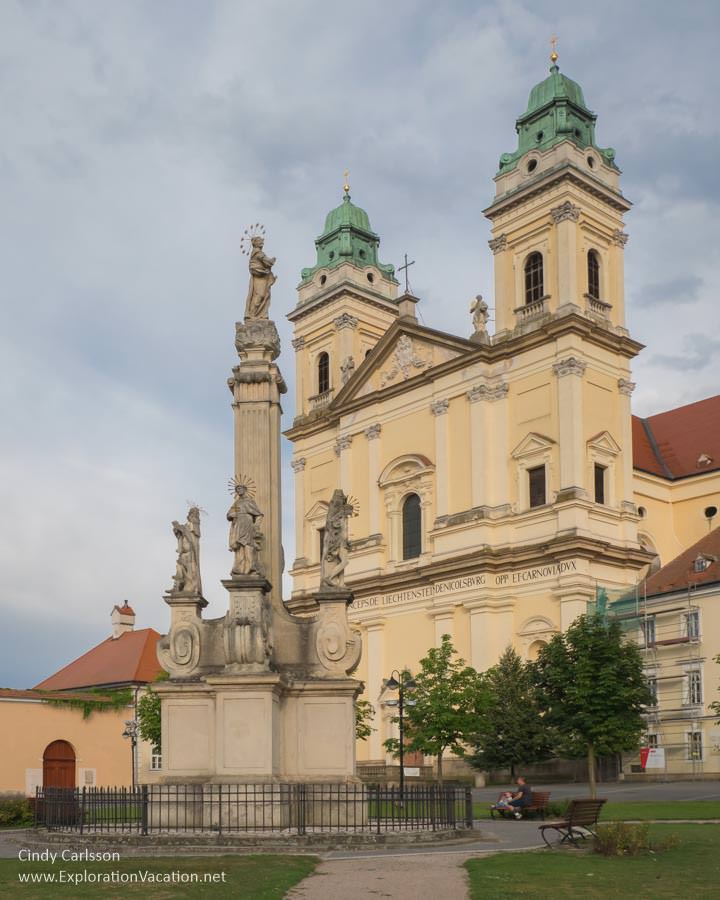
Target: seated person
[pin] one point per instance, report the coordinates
(521, 798)
(503, 801)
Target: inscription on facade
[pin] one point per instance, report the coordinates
(456, 585)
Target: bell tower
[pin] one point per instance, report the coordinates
(557, 223)
(346, 302)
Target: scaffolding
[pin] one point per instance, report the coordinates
(668, 632)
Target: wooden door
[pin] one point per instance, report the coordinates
(59, 765)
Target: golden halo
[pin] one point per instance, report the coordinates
(246, 482)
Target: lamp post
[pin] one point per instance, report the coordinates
(131, 733)
(402, 683)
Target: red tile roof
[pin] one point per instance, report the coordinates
(125, 609)
(680, 572)
(128, 659)
(670, 444)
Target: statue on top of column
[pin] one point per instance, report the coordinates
(335, 543)
(187, 570)
(261, 274)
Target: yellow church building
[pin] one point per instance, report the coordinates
(494, 478)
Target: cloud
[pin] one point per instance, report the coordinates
(682, 290)
(700, 351)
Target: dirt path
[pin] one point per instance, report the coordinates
(413, 877)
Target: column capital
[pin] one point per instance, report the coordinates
(342, 443)
(499, 243)
(373, 431)
(439, 407)
(345, 320)
(619, 238)
(298, 343)
(566, 211)
(625, 387)
(488, 392)
(571, 365)
(297, 465)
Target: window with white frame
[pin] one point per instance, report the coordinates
(652, 684)
(692, 691)
(691, 625)
(651, 741)
(156, 762)
(647, 631)
(534, 456)
(602, 454)
(695, 745)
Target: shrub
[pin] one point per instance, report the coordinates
(557, 809)
(626, 839)
(15, 811)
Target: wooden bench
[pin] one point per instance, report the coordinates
(538, 806)
(580, 820)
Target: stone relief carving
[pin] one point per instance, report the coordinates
(566, 210)
(335, 543)
(187, 569)
(571, 365)
(298, 343)
(338, 646)
(405, 360)
(488, 392)
(619, 237)
(499, 243)
(179, 651)
(347, 367)
(247, 634)
(439, 407)
(298, 465)
(257, 333)
(262, 279)
(345, 320)
(625, 387)
(372, 432)
(245, 534)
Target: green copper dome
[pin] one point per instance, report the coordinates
(556, 112)
(348, 237)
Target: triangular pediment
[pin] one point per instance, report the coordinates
(405, 351)
(604, 442)
(317, 511)
(532, 443)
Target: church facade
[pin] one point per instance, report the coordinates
(493, 478)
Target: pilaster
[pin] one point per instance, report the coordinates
(375, 649)
(439, 409)
(372, 433)
(569, 372)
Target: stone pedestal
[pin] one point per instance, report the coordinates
(247, 629)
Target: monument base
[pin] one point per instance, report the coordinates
(253, 728)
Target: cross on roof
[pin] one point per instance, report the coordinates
(406, 267)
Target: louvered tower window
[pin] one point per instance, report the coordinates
(411, 523)
(534, 286)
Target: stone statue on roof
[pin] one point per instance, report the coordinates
(335, 546)
(187, 569)
(480, 314)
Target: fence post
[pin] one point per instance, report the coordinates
(468, 808)
(144, 801)
(82, 809)
(302, 799)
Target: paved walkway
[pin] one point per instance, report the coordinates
(412, 874)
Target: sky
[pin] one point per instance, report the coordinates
(140, 139)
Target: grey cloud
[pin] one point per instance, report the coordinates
(700, 351)
(682, 290)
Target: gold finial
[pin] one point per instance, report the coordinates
(346, 186)
(553, 44)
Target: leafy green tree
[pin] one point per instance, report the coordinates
(593, 690)
(364, 714)
(148, 715)
(512, 730)
(441, 712)
(715, 705)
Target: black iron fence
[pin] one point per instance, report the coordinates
(223, 808)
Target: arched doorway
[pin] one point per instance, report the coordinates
(59, 765)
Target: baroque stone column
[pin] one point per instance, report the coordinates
(256, 386)
(569, 372)
(565, 218)
(439, 409)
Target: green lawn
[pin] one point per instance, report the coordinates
(690, 870)
(256, 877)
(642, 810)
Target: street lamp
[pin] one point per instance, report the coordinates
(402, 683)
(131, 733)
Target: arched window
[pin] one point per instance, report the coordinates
(534, 287)
(323, 368)
(411, 522)
(593, 274)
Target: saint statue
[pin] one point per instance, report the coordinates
(245, 534)
(335, 543)
(346, 369)
(480, 315)
(187, 571)
(261, 280)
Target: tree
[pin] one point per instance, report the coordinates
(441, 711)
(364, 714)
(512, 730)
(593, 690)
(148, 715)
